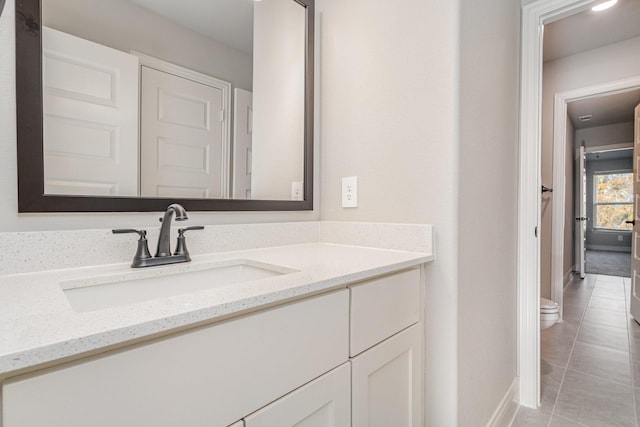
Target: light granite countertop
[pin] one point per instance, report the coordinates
(38, 325)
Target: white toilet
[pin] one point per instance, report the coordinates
(549, 313)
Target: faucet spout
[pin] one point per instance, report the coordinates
(164, 238)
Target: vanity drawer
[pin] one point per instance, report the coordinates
(213, 375)
(382, 307)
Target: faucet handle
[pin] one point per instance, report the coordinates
(142, 233)
(181, 247)
(193, 227)
(143, 247)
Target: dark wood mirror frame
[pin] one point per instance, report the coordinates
(31, 197)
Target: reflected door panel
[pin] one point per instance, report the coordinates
(90, 101)
(242, 151)
(181, 138)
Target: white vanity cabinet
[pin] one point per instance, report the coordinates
(210, 376)
(347, 357)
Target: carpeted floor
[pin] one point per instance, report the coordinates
(609, 263)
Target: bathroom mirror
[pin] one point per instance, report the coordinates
(127, 105)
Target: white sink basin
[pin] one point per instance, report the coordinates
(94, 293)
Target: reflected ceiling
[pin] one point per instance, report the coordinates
(227, 21)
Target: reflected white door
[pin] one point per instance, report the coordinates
(90, 101)
(635, 250)
(242, 138)
(181, 138)
(580, 212)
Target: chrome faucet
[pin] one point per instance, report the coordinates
(143, 258)
(164, 245)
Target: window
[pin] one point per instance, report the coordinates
(613, 200)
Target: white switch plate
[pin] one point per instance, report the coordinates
(350, 192)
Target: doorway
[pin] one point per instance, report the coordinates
(535, 15)
(609, 199)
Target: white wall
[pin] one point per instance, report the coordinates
(400, 110)
(279, 65)
(10, 220)
(606, 64)
(125, 26)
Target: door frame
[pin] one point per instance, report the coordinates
(559, 179)
(534, 16)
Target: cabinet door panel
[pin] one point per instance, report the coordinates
(325, 402)
(387, 382)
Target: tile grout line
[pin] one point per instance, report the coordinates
(573, 345)
(600, 378)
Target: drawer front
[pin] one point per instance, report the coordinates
(383, 307)
(214, 375)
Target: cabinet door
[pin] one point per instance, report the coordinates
(323, 402)
(387, 382)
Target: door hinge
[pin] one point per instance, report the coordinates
(222, 115)
(535, 231)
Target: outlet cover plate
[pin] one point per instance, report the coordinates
(350, 192)
(297, 190)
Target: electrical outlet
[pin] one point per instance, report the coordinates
(350, 192)
(297, 191)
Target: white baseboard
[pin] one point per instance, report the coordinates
(568, 276)
(506, 411)
(609, 248)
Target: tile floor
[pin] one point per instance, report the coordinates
(590, 361)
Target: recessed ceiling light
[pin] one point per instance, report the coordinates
(604, 5)
(585, 118)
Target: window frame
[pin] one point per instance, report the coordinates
(595, 203)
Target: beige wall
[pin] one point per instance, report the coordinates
(10, 220)
(389, 117)
(400, 110)
(577, 71)
(489, 88)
